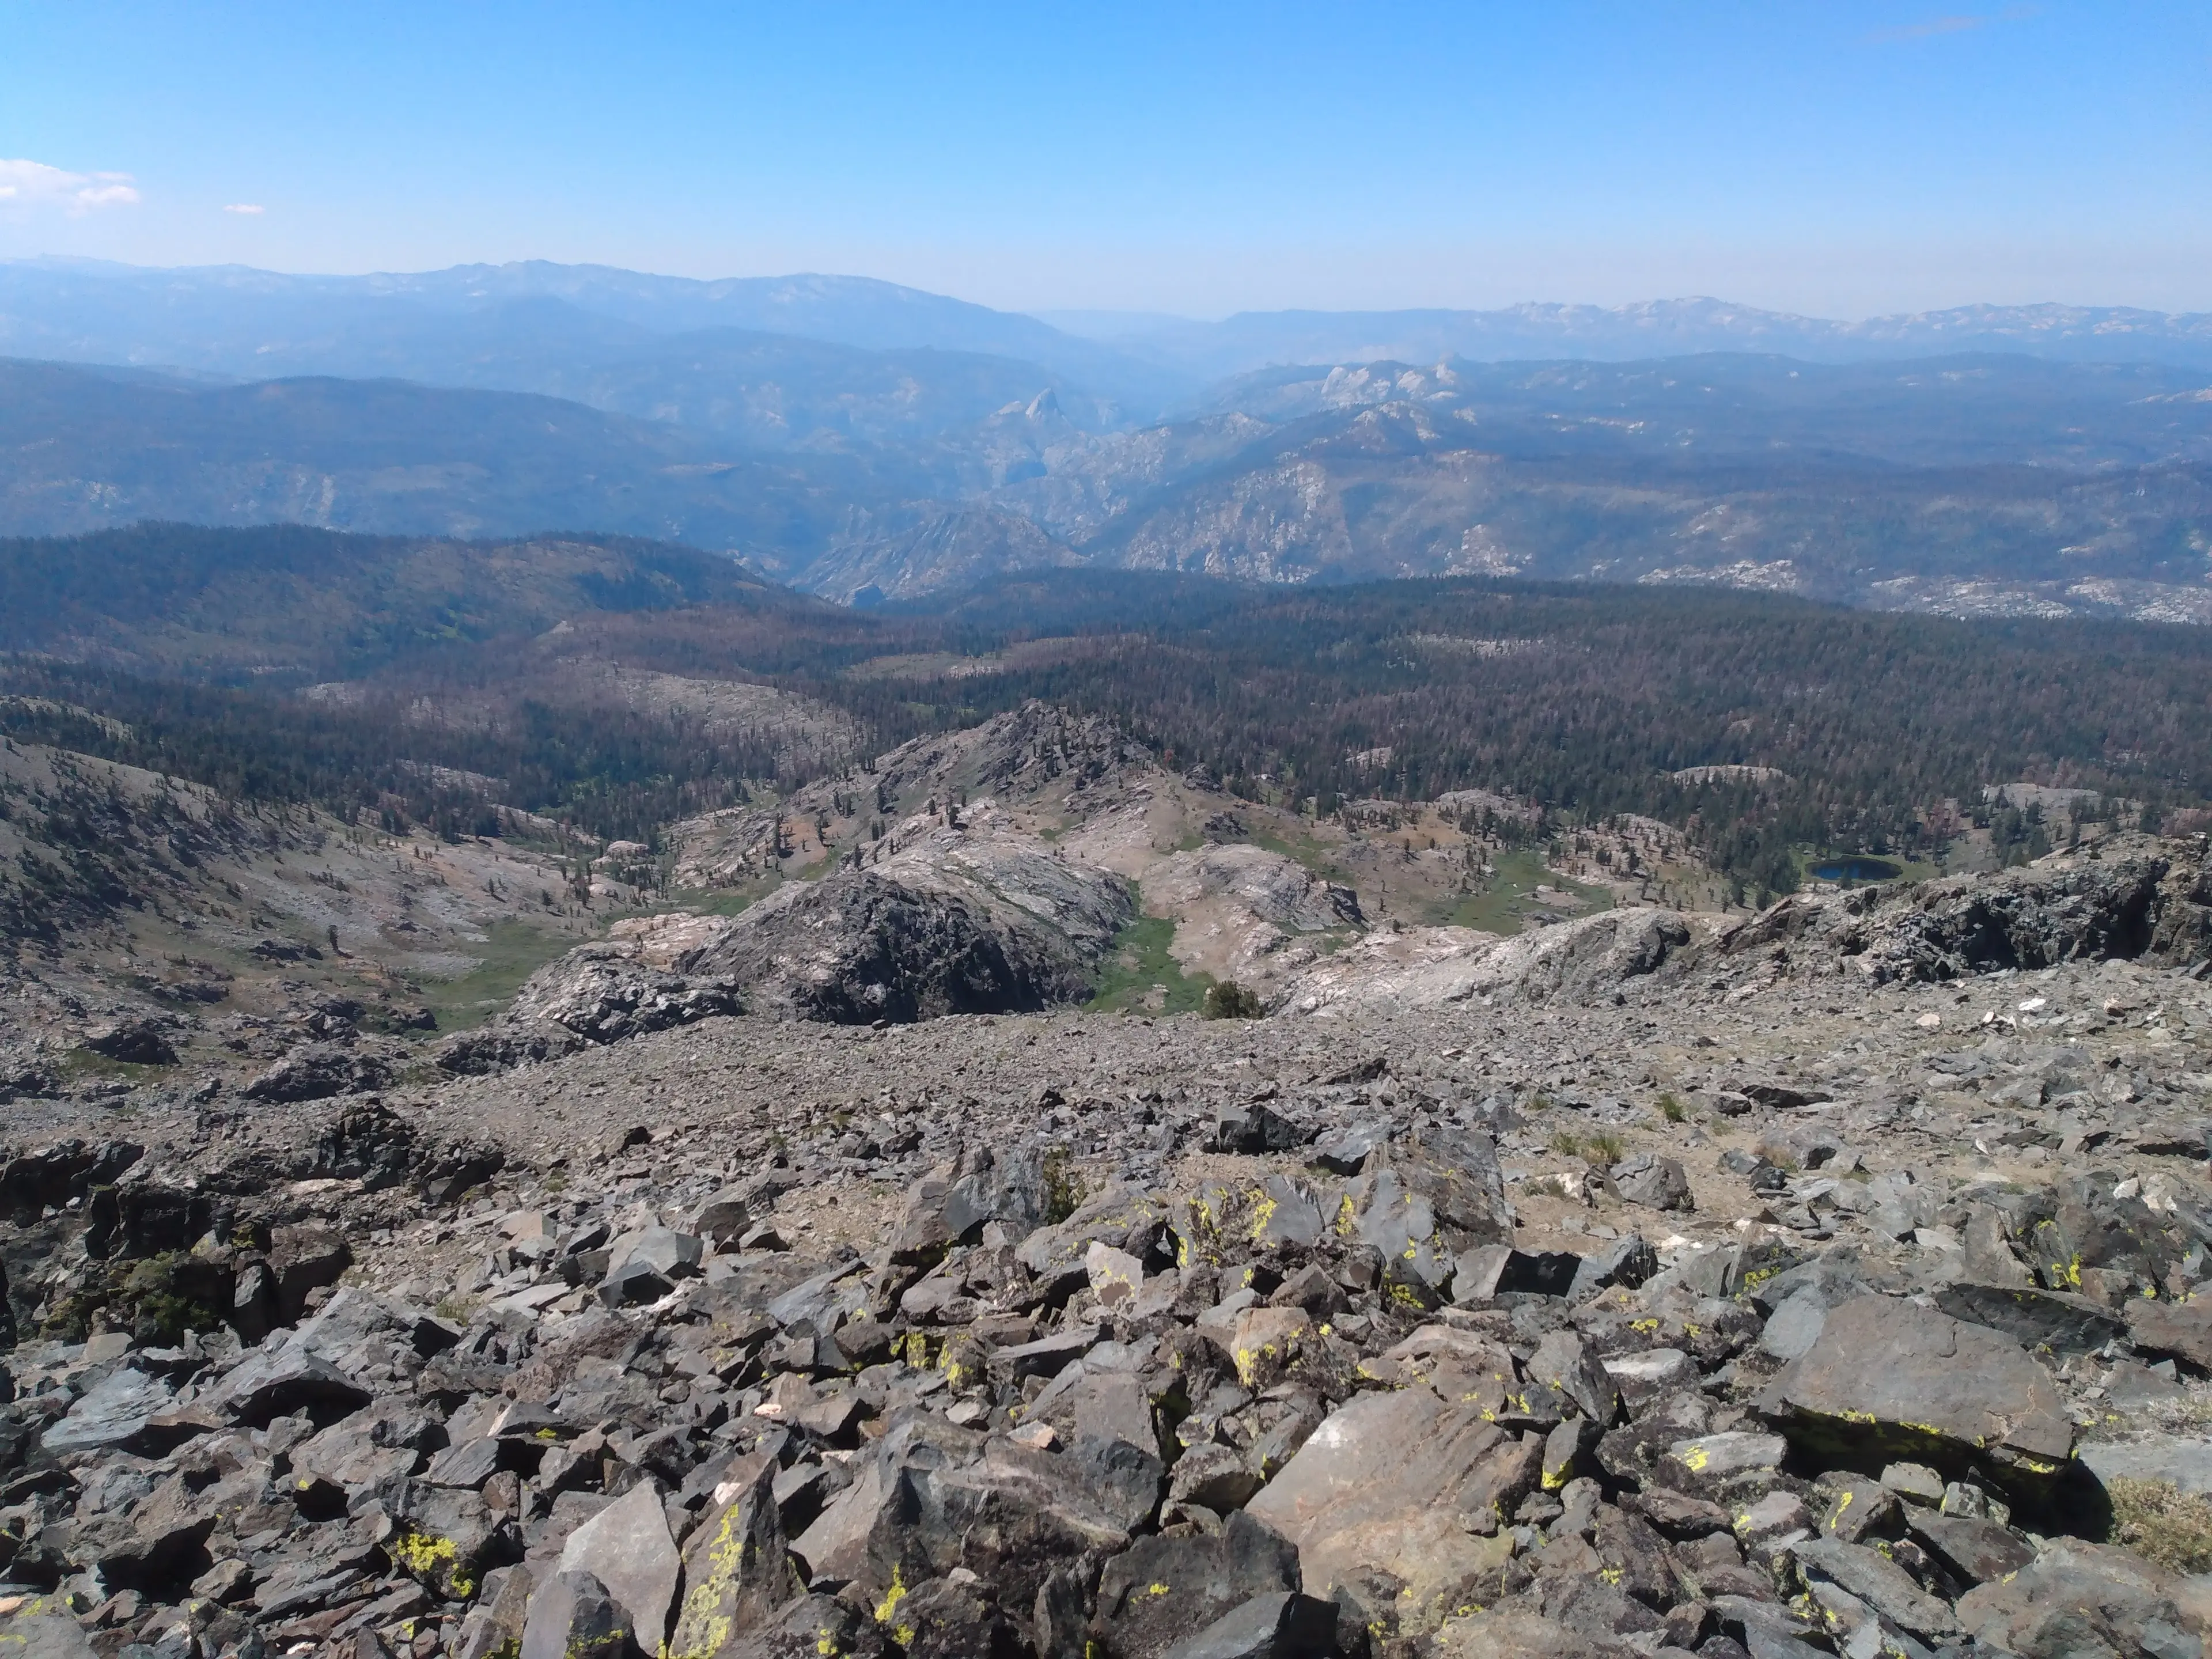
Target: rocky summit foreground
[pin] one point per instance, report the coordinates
(1828, 1282)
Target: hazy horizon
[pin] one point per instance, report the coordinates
(1102, 322)
(1892, 158)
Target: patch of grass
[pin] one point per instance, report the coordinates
(1505, 906)
(1548, 1186)
(1670, 1107)
(1604, 1146)
(1138, 962)
(82, 1064)
(1315, 855)
(724, 901)
(1567, 1144)
(510, 954)
(2157, 1521)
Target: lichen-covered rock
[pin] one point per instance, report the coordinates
(737, 1570)
(1891, 1379)
(1155, 1594)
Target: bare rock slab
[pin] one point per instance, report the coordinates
(1382, 1485)
(1891, 1380)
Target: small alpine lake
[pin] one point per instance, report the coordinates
(1856, 869)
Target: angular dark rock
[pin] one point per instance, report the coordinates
(2182, 1330)
(135, 1041)
(572, 1616)
(114, 1412)
(2032, 1318)
(1492, 1270)
(1659, 1183)
(316, 1070)
(1888, 1381)
(2079, 1598)
(1155, 1593)
(1973, 1549)
(1257, 1129)
(1879, 1582)
(1281, 1625)
(626, 1548)
(286, 1381)
(1383, 1483)
(737, 1573)
(1346, 1150)
(42, 1627)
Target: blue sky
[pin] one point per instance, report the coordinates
(1837, 159)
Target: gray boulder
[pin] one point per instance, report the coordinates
(42, 1627)
(1894, 1381)
(626, 1547)
(2079, 1599)
(1660, 1183)
(2034, 1317)
(1972, 1548)
(114, 1412)
(1382, 1485)
(285, 1381)
(1877, 1580)
(953, 922)
(1281, 1625)
(603, 993)
(1155, 1593)
(2181, 1329)
(316, 1070)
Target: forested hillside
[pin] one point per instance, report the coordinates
(622, 684)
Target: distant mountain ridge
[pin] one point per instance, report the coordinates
(432, 326)
(1974, 484)
(874, 443)
(237, 319)
(1664, 328)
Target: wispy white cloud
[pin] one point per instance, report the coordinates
(1958, 23)
(243, 207)
(25, 184)
(1934, 26)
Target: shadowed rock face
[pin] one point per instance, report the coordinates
(957, 921)
(870, 944)
(2155, 907)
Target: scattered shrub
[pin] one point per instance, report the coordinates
(2154, 1519)
(1063, 1190)
(1230, 1000)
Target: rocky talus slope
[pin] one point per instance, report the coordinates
(1832, 1283)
